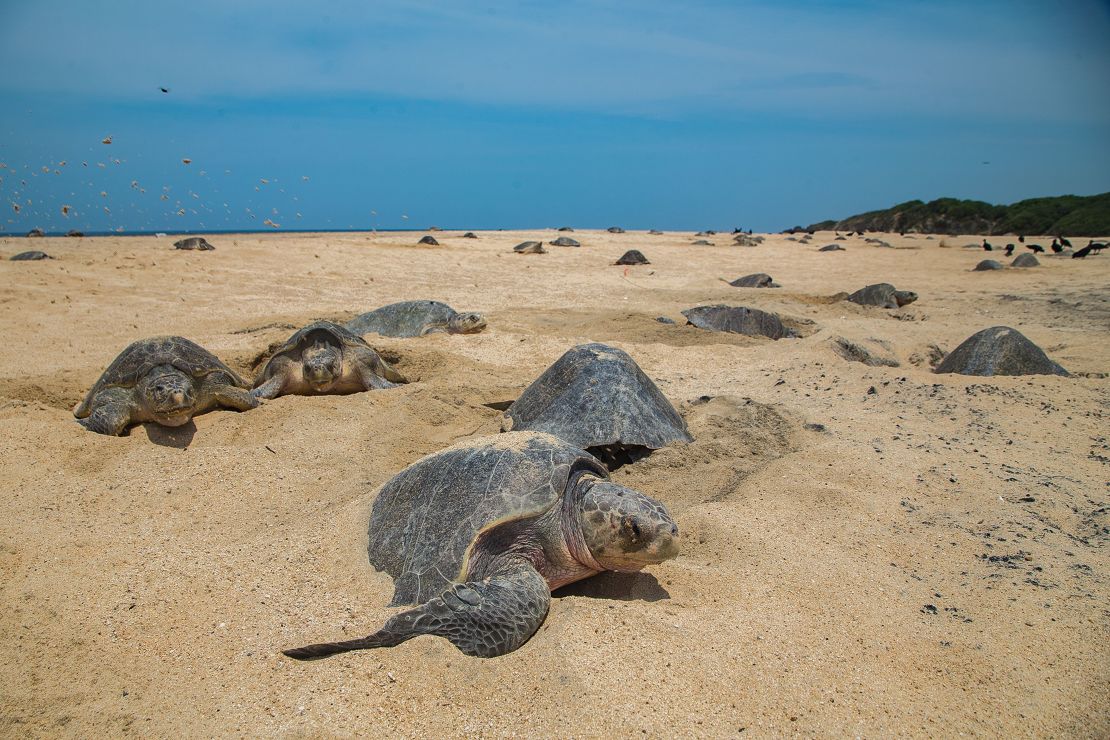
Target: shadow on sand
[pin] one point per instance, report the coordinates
(618, 586)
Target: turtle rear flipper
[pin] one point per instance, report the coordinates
(483, 618)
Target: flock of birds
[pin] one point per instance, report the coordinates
(1059, 245)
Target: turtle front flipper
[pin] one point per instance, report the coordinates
(111, 412)
(232, 397)
(483, 618)
(374, 372)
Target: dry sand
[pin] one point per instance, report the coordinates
(149, 582)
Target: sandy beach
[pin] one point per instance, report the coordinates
(867, 551)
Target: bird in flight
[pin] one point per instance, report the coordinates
(164, 89)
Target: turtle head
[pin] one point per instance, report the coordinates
(323, 364)
(167, 394)
(466, 323)
(623, 529)
(904, 297)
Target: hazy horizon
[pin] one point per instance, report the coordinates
(644, 115)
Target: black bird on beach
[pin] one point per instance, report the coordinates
(1098, 247)
(1009, 250)
(987, 246)
(1021, 239)
(1082, 253)
(1056, 248)
(1037, 248)
(1064, 241)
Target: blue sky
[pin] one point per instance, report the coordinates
(642, 113)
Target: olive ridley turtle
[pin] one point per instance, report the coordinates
(755, 280)
(479, 534)
(565, 241)
(999, 350)
(32, 255)
(737, 320)
(198, 243)
(324, 358)
(166, 380)
(883, 295)
(530, 248)
(596, 397)
(415, 319)
(632, 257)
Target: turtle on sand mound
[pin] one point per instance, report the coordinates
(198, 243)
(755, 280)
(565, 241)
(832, 248)
(429, 240)
(470, 235)
(32, 255)
(999, 350)
(415, 319)
(987, 265)
(737, 320)
(883, 295)
(530, 248)
(166, 380)
(1025, 260)
(479, 534)
(632, 257)
(324, 358)
(596, 397)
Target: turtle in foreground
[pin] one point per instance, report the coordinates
(415, 319)
(987, 265)
(431, 240)
(198, 243)
(479, 534)
(565, 241)
(999, 350)
(883, 295)
(737, 320)
(632, 257)
(755, 280)
(530, 248)
(324, 358)
(596, 397)
(166, 380)
(32, 255)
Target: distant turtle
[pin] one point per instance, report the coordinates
(415, 319)
(75, 232)
(737, 320)
(702, 243)
(632, 257)
(832, 248)
(615, 230)
(194, 242)
(530, 248)
(883, 295)
(32, 255)
(564, 228)
(166, 380)
(35, 232)
(324, 358)
(755, 280)
(1025, 260)
(470, 235)
(653, 232)
(597, 398)
(565, 241)
(429, 240)
(987, 265)
(999, 350)
(479, 534)
(747, 240)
